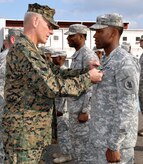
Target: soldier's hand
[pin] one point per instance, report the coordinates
(93, 64)
(95, 75)
(113, 156)
(83, 117)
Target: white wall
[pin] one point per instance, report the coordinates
(2, 31)
(61, 43)
(132, 35)
(59, 40)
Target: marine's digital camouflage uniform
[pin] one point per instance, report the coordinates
(79, 132)
(114, 116)
(30, 88)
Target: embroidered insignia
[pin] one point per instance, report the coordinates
(129, 84)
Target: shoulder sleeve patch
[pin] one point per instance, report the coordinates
(129, 84)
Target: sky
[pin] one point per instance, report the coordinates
(79, 10)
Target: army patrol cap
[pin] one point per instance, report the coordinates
(48, 50)
(59, 53)
(14, 32)
(107, 20)
(77, 28)
(45, 11)
(141, 38)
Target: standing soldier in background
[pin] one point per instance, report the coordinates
(47, 52)
(5, 44)
(30, 88)
(79, 107)
(126, 46)
(58, 58)
(140, 132)
(114, 120)
(13, 34)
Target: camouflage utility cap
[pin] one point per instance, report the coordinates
(77, 28)
(114, 20)
(45, 11)
(59, 53)
(141, 38)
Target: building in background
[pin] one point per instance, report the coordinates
(59, 41)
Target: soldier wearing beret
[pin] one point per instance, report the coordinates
(31, 85)
(114, 120)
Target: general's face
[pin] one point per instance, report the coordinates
(103, 37)
(44, 30)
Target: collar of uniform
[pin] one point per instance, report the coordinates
(74, 56)
(31, 43)
(106, 59)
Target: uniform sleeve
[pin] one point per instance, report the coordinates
(86, 108)
(46, 78)
(87, 97)
(125, 116)
(66, 73)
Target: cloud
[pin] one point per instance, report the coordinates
(80, 10)
(89, 10)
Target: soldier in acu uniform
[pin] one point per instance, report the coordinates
(79, 107)
(58, 58)
(140, 132)
(31, 85)
(114, 120)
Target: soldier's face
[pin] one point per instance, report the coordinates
(58, 60)
(73, 40)
(141, 43)
(103, 37)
